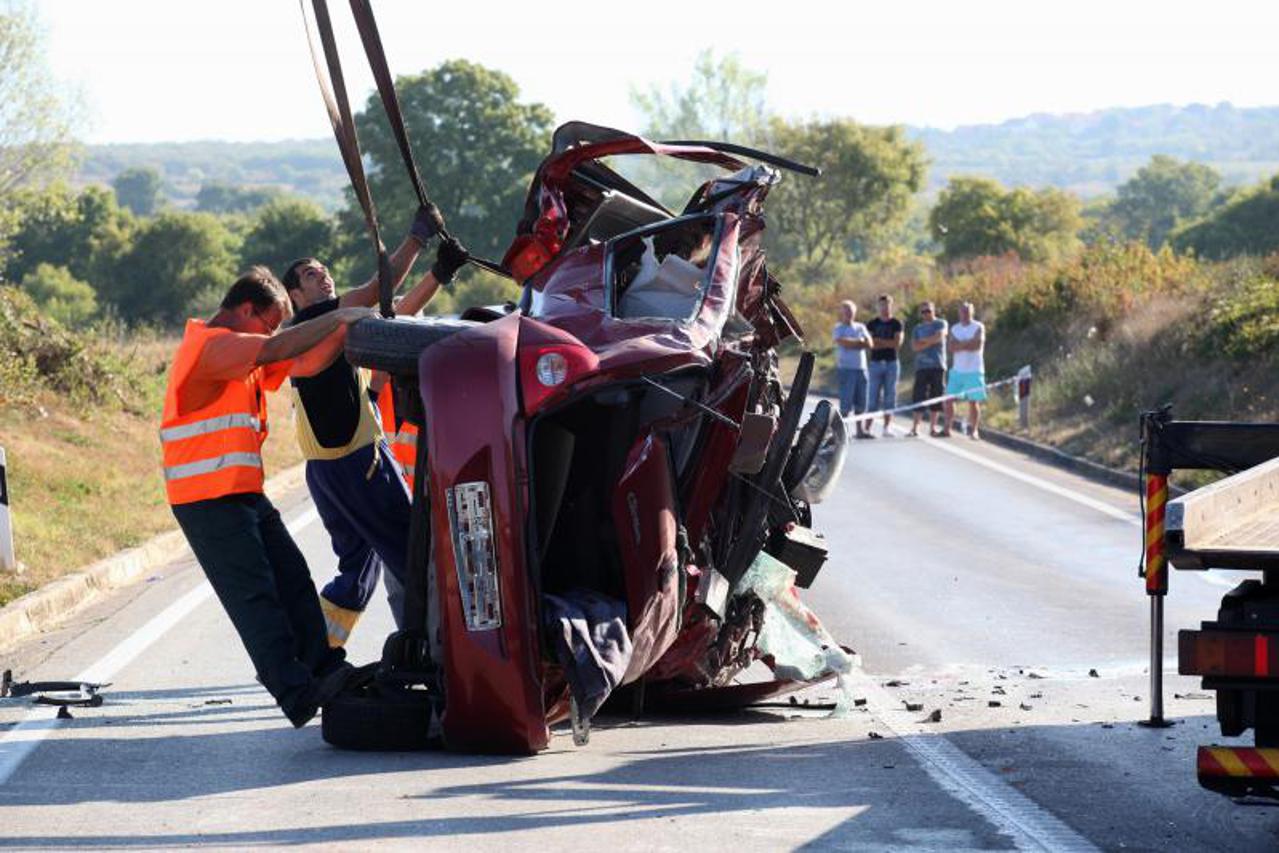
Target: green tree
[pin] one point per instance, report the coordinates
(178, 263)
(1164, 194)
(476, 146)
(138, 189)
(1246, 225)
(61, 295)
(36, 117)
(86, 233)
(220, 197)
(869, 176)
(723, 99)
(284, 230)
(976, 216)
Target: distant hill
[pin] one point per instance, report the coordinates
(1092, 153)
(307, 167)
(1087, 153)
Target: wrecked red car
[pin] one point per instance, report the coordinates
(614, 484)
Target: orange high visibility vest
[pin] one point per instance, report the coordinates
(403, 441)
(215, 450)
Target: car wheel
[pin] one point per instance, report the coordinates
(393, 344)
(377, 719)
(828, 463)
(806, 446)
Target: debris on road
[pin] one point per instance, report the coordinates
(994, 703)
(934, 717)
(1092, 673)
(1025, 707)
(874, 736)
(913, 706)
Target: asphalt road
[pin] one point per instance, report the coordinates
(963, 575)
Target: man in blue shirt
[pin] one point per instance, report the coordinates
(928, 340)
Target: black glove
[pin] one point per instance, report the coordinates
(450, 257)
(426, 224)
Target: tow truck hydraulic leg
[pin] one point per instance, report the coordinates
(1156, 568)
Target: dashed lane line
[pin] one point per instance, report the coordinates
(20, 741)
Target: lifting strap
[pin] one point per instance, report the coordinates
(344, 127)
(333, 89)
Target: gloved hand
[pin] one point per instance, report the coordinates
(426, 224)
(450, 257)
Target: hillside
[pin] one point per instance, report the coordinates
(310, 168)
(1087, 153)
(1091, 153)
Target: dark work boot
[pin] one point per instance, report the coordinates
(319, 691)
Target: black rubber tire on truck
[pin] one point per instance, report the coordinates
(393, 344)
(377, 719)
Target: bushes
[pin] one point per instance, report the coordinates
(61, 295)
(38, 355)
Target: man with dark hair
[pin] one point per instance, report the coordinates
(213, 426)
(357, 485)
(886, 334)
(928, 340)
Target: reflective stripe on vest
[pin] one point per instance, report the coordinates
(208, 466)
(209, 425)
(216, 449)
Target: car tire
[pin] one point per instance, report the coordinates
(806, 446)
(393, 344)
(377, 719)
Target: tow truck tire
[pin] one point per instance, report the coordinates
(393, 344)
(381, 721)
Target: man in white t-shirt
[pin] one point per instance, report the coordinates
(967, 379)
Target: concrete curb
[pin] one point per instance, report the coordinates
(53, 603)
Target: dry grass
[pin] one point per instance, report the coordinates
(85, 482)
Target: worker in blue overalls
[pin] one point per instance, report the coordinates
(353, 478)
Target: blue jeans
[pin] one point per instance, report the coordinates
(883, 381)
(852, 389)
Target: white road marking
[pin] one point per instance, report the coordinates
(1031, 479)
(1207, 577)
(20, 741)
(1030, 826)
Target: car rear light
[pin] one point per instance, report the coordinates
(546, 369)
(527, 255)
(470, 510)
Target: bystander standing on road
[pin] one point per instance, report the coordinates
(928, 340)
(968, 372)
(852, 340)
(212, 430)
(358, 488)
(887, 333)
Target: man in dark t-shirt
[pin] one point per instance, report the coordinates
(886, 334)
(353, 478)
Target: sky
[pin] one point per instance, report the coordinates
(180, 70)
